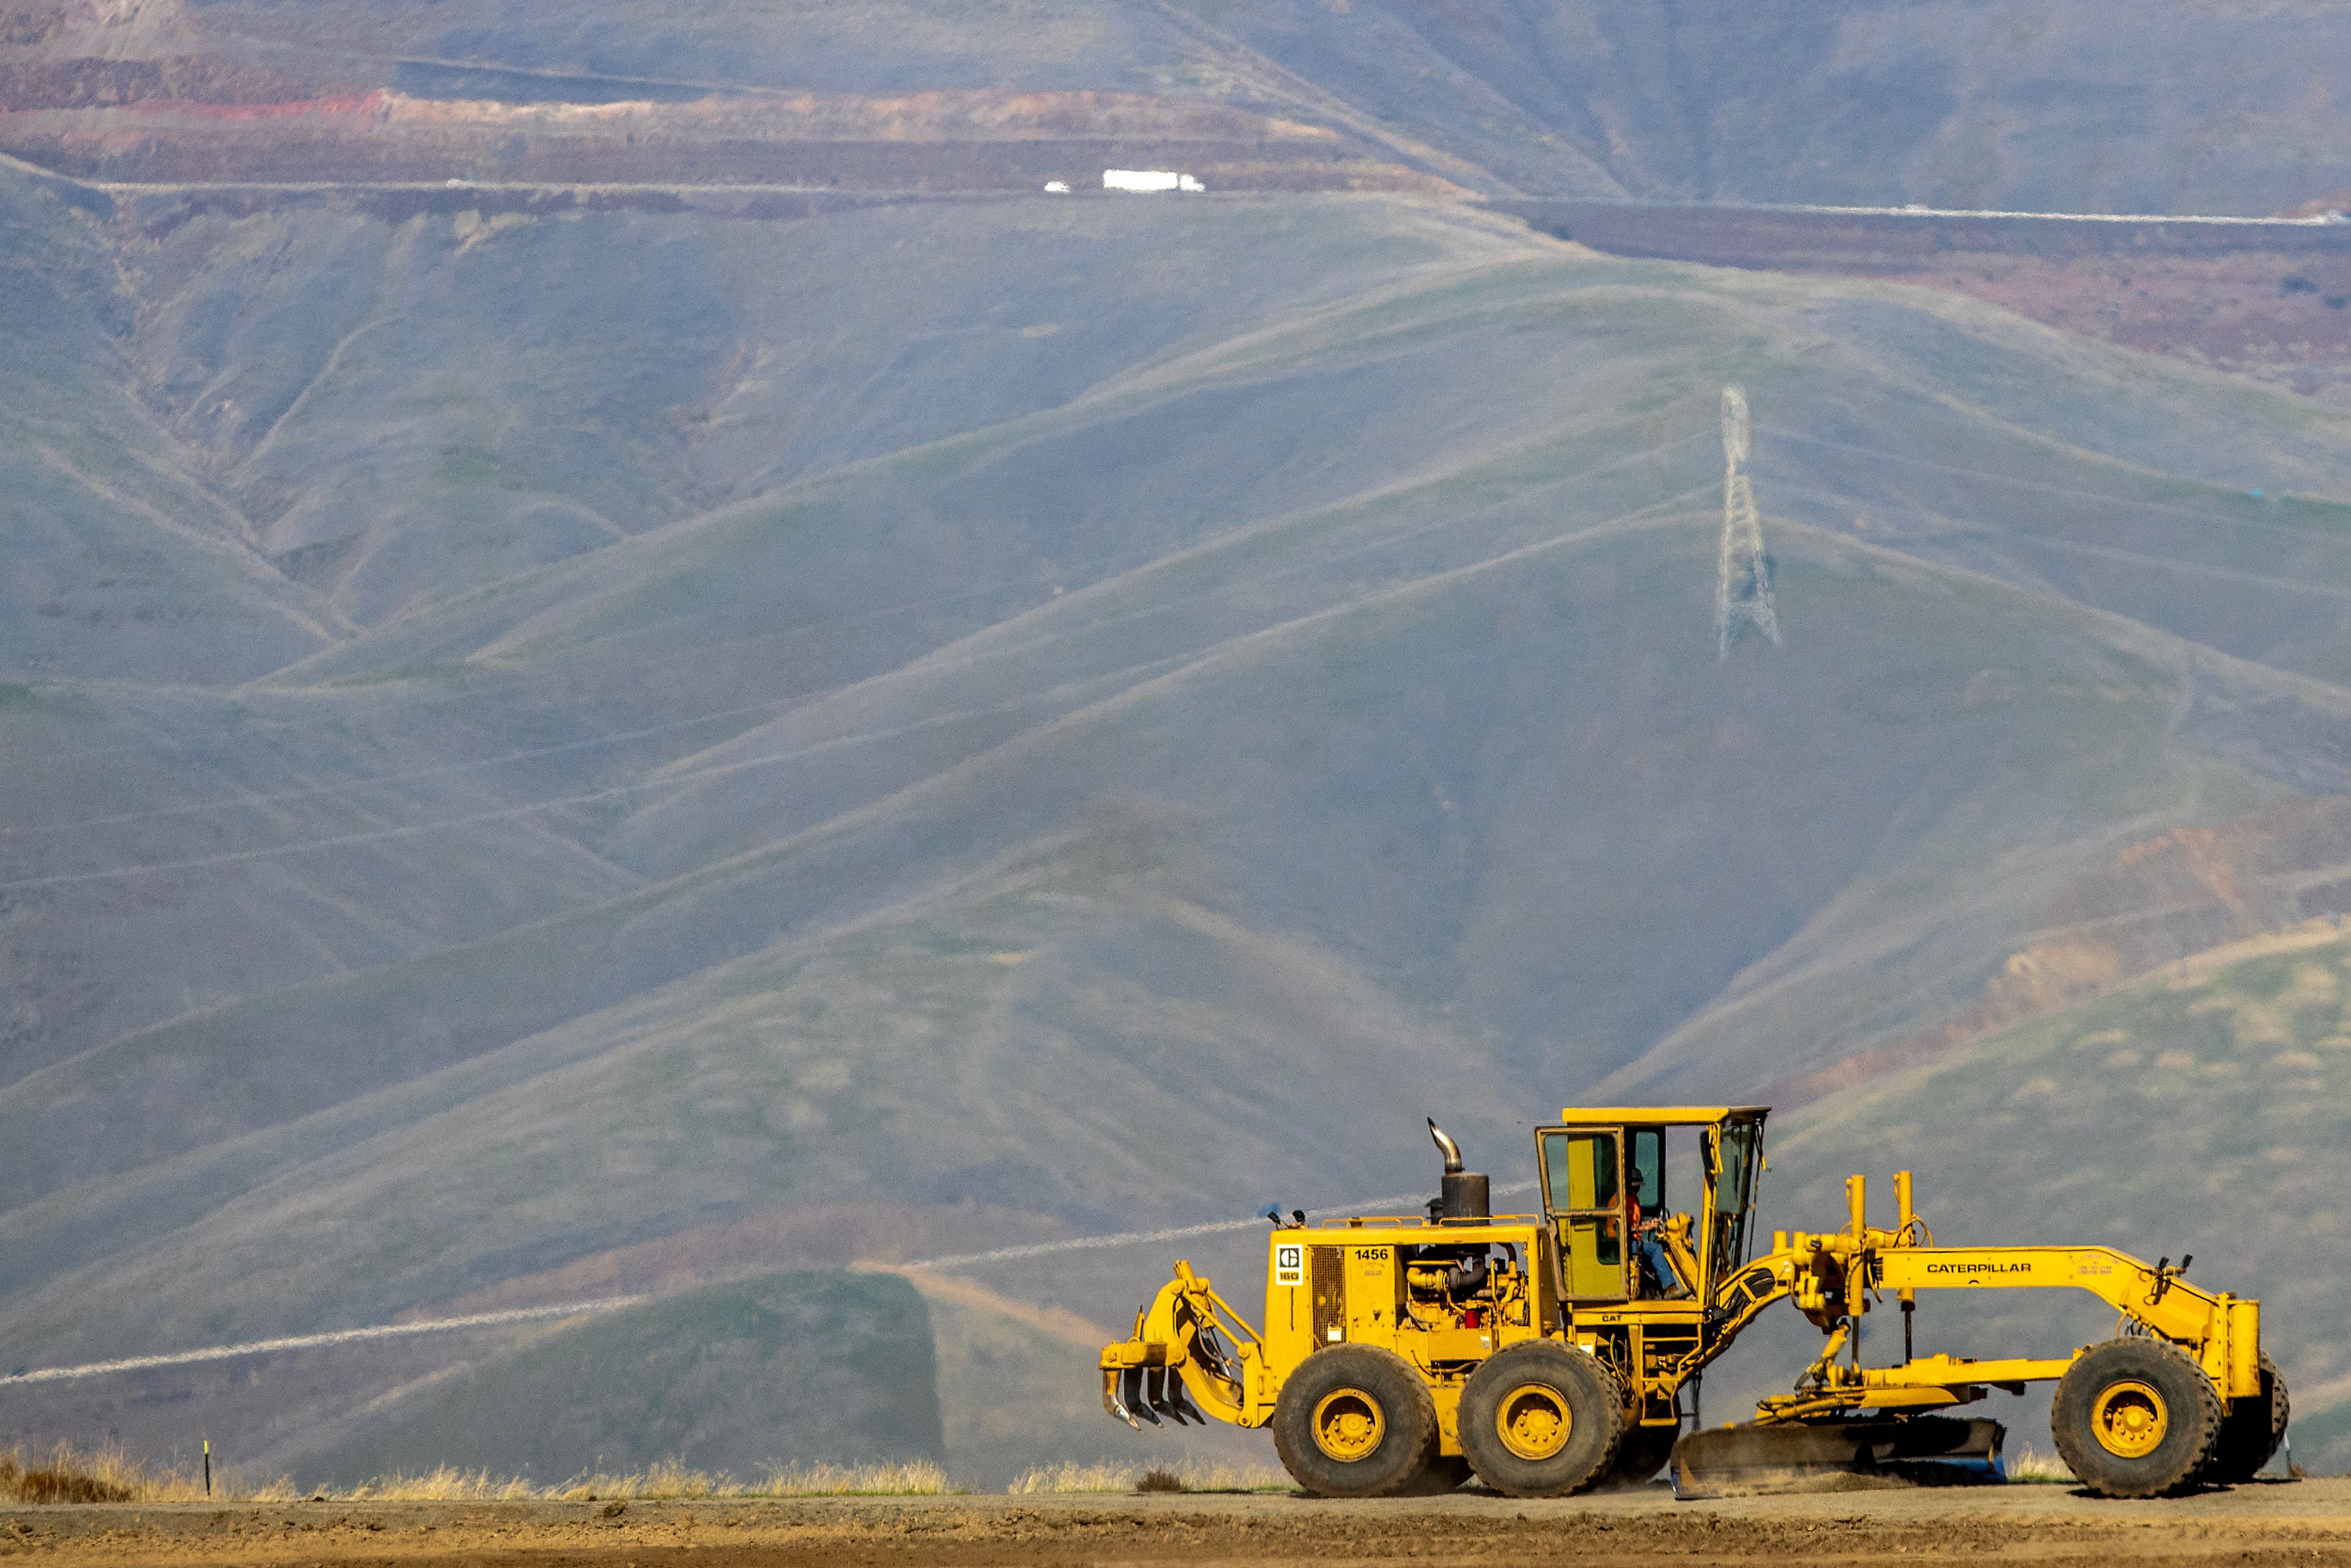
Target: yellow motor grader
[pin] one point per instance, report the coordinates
(1549, 1353)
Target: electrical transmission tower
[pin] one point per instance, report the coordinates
(1743, 584)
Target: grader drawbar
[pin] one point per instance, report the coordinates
(1550, 1353)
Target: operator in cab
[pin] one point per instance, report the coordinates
(1656, 1276)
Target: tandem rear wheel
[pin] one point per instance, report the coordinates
(1541, 1419)
(1356, 1421)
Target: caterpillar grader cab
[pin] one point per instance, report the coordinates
(1549, 1353)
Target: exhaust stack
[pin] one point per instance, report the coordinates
(1463, 1193)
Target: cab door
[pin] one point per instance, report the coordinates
(1584, 1201)
(1734, 1154)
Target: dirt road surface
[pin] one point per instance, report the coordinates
(2273, 1523)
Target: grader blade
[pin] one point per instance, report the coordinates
(1753, 1460)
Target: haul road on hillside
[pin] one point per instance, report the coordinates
(1547, 1353)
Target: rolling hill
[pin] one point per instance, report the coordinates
(552, 749)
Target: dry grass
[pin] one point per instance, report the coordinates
(2030, 1465)
(67, 1474)
(1072, 1477)
(668, 1480)
(444, 1484)
(919, 1477)
(107, 1474)
(1189, 1476)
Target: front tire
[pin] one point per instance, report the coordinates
(1541, 1419)
(2133, 1418)
(2250, 1432)
(1355, 1421)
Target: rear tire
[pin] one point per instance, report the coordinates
(1355, 1421)
(2133, 1418)
(1541, 1419)
(2250, 1432)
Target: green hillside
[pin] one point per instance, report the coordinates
(743, 1378)
(1035, 718)
(1020, 1390)
(119, 564)
(1129, 787)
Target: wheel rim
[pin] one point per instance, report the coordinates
(1533, 1421)
(1348, 1424)
(2129, 1419)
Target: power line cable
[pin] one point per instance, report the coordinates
(310, 1340)
(614, 1304)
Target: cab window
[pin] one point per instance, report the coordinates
(1734, 1186)
(1584, 1189)
(1646, 1155)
